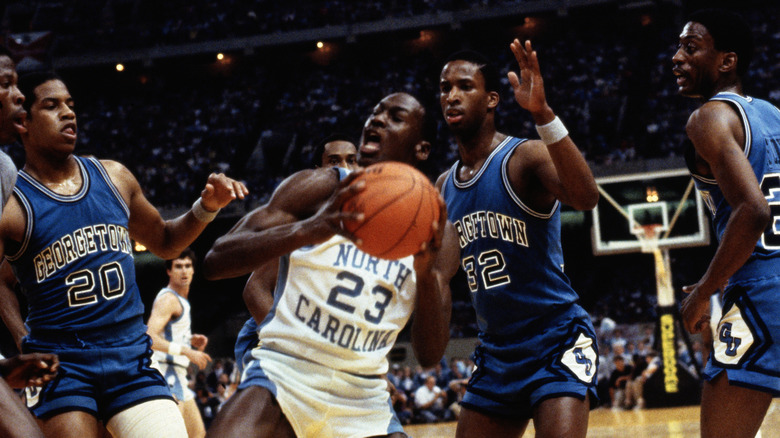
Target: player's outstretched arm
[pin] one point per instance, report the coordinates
(31, 369)
(561, 166)
(304, 210)
(716, 131)
(434, 267)
(167, 239)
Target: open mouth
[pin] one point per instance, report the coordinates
(371, 141)
(69, 130)
(453, 115)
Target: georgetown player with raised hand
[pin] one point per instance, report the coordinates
(67, 234)
(735, 165)
(538, 354)
(337, 311)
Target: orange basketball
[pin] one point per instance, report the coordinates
(399, 205)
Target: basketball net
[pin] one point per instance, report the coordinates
(648, 238)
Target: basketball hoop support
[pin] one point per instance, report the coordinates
(648, 238)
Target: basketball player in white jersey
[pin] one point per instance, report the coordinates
(337, 311)
(174, 344)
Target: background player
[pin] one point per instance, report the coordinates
(170, 327)
(335, 150)
(306, 379)
(504, 198)
(15, 420)
(67, 232)
(735, 167)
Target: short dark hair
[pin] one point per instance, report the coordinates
(730, 33)
(489, 71)
(28, 82)
(316, 158)
(187, 253)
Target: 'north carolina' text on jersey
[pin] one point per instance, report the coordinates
(339, 307)
(75, 263)
(761, 122)
(511, 254)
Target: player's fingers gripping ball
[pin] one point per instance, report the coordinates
(399, 205)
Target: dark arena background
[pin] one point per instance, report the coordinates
(178, 89)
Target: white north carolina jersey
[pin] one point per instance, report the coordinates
(339, 307)
(177, 330)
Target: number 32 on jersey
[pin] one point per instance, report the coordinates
(488, 267)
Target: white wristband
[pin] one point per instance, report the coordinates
(552, 132)
(201, 213)
(174, 349)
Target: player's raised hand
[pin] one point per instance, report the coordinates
(33, 369)
(695, 309)
(220, 191)
(529, 87)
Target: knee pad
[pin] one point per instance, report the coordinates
(155, 418)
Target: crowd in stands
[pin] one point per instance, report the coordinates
(258, 119)
(88, 25)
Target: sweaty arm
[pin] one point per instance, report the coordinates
(167, 239)
(434, 267)
(303, 210)
(717, 135)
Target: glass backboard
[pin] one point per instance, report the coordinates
(666, 198)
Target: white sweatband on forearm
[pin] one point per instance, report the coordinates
(552, 132)
(201, 213)
(174, 349)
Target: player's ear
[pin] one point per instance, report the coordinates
(422, 150)
(729, 62)
(493, 99)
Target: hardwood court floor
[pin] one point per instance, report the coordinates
(648, 423)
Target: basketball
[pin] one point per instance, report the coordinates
(399, 205)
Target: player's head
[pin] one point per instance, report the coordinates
(51, 120)
(11, 99)
(468, 90)
(335, 150)
(398, 129)
(715, 49)
(181, 269)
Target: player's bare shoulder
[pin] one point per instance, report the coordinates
(122, 178)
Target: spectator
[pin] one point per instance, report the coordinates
(617, 382)
(429, 401)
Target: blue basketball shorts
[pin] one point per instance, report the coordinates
(742, 344)
(100, 378)
(512, 376)
(246, 340)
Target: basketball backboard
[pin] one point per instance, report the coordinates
(666, 198)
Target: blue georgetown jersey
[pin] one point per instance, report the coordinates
(511, 254)
(761, 123)
(75, 263)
